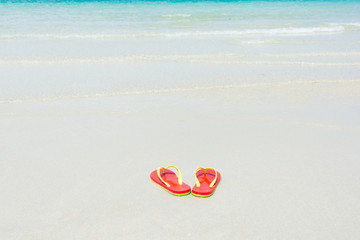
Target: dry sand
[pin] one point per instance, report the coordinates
(78, 168)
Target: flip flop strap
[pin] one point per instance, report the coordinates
(179, 175)
(197, 180)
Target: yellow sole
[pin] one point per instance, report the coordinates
(202, 196)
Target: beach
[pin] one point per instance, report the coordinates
(94, 96)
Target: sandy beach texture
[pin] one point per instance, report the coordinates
(78, 168)
(85, 119)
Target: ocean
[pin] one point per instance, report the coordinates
(51, 49)
(95, 95)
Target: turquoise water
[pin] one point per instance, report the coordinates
(71, 47)
(180, 19)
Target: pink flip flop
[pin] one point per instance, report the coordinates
(207, 179)
(168, 180)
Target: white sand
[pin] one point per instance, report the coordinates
(94, 97)
(78, 168)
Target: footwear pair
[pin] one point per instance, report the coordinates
(206, 181)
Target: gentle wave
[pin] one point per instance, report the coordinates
(175, 90)
(203, 59)
(185, 34)
(177, 15)
(349, 24)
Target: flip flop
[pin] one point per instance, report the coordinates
(207, 179)
(168, 180)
